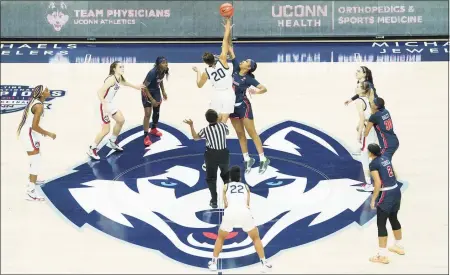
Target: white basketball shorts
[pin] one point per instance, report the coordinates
(222, 101)
(240, 217)
(30, 139)
(107, 112)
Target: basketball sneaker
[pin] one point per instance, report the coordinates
(114, 145)
(266, 267)
(212, 265)
(397, 249)
(379, 259)
(92, 152)
(368, 187)
(155, 132)
(248, 165)
(147, 141)
(204, 167)
(263, 165)
(32, 195)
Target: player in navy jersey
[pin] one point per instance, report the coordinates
(364, 74)
(382, 121)
(386, 200)
(151, 97)
(242, 118)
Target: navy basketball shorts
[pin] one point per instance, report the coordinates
(389, 152)
(389, 201)
(146, 103)
(242, 110)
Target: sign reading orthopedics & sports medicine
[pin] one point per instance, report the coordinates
(185, 19)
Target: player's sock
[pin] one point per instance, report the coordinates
(93, 145)
(113, 138)
(383, 252)
(145, 133)
(398, 243)
(263, 260)
(246, 157)
(262, 157)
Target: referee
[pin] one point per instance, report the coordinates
(216, 154)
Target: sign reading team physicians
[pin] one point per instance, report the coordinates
(119, 17)
(198, 18)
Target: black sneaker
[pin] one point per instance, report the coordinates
(263, 166)
(213, 204)
(248, 165)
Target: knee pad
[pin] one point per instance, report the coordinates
(35, 163)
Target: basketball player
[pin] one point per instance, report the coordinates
(236, 196)
(386, 200)
(30, 136)
(364, 112)
(220, 76)
(151, 97)
(108, 109)
(364, 74)
(242, 118)
(384, 127)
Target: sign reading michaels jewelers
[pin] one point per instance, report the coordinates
(295, 52)
(182, 19)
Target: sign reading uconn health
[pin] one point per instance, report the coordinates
(201, 18)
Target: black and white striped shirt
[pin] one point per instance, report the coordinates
(215, 135)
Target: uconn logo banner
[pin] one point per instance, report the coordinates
(158, 198)
(14, 98)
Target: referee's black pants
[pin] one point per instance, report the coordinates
(215, 159)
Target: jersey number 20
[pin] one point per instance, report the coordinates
(240, 189)
(218, 75)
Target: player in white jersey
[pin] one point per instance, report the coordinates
(236, 196)
(363, 104)
(109, 110)
(220, 76)
(29, 132)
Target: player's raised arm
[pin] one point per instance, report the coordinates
(225, 43)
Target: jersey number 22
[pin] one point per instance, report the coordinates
(240, 189)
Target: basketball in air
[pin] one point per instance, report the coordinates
(226, 10)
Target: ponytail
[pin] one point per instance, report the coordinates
(36, 93)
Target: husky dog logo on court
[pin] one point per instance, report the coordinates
(158, 198)
(14, 98)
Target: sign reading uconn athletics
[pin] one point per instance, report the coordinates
(201, 18)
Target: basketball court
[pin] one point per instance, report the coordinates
(147, 211)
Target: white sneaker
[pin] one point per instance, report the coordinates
(40, 182)
(92, 152)
(266, 267)
(212, 265)
(114, 145)
(32, 195)
(366, 188)
(204, 166)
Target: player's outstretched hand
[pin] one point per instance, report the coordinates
(188, 121)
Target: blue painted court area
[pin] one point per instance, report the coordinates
(411, 51)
